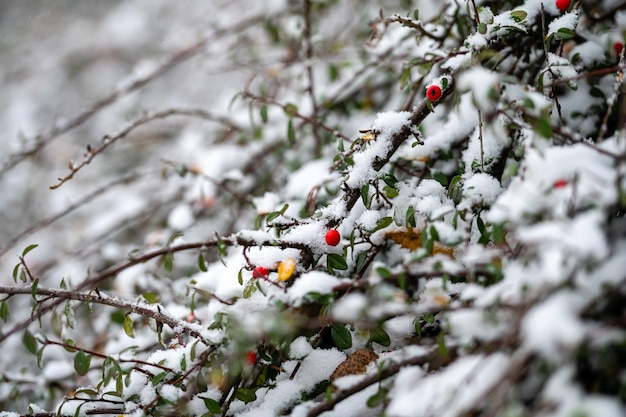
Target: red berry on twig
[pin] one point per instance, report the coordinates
(562, 5)
(333, 237)
(260, 272)
(560, 183)
(250, 357)
(618, 46)
(433, 93)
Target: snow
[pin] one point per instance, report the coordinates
(566, 21)
(479, 190)
(448, 392)
(299, 348)
(552, 328)
(349, 307)
(181, 217)
(386, 125)
(313, 281)
(315, 367)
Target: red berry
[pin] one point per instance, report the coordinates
(560, 183)
(333, 237)
(433, 93)
(260, 272)
(618, 47)
(250, 357)
(562, 5)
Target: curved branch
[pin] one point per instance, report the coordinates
(97, 297)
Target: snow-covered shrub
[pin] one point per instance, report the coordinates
(314, 208)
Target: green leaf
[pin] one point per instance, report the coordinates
(384, 272)
(33, 289)
(263, 113)
(380, 336)
(410, 216)
(441, 178)
(405, 77)
(16, 271)
(81, 363)
(291, 134)
(128, 326)
(390, 192)
(202, 263)
(291, 110)
(377, 399)
(498, 234)
(70, 345)
(416, 14)
(168, 261)
(28, 249)
(245, 394)
(30, 342)
(417, 323)
(250, 288)
(382, 223)
(565, 33)
(335, 261)
(4, 311)
(70, 319)
(240, 276)
(212, 405)
(151, 297)
(360, 262)
(341, 336)
(158, 378)
(518, 15)
(543, 127)
(365, 195)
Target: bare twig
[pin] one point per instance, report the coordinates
(98, 297)
(109, 140)
(51, 219)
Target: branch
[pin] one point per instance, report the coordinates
(420, 112)
(112, 271)
(97, 297)
(49, 220)
(109, 140)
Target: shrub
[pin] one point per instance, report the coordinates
(403, 214)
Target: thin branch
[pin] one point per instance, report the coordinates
(420, 112)
(51, 219)
(109, 140)
(97, 297)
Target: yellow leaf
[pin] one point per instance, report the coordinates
(409, 238)
(368, 136)
(286, 268)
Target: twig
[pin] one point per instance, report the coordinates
(51, 219)
(352, 195)
(98, 297)
(109, 140)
